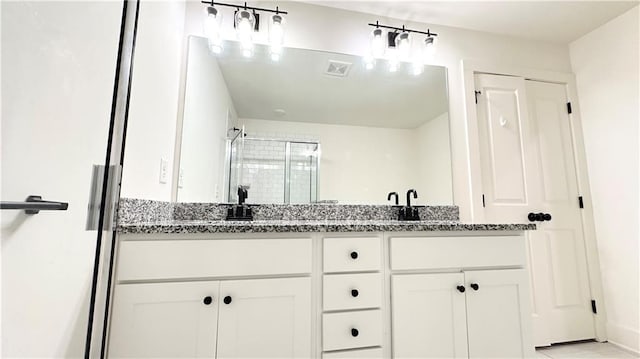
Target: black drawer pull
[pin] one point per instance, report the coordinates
(354, 293)
(460, 288)
(475, 286)
(354, 255)
(227, 300)
(207, 300)
(354, 332)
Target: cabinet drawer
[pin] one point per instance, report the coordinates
(456, 252)
(351, 254)
(176, 259)
(351, 291)
(351, 330)
(374, 353)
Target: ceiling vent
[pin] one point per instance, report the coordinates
(338, 68)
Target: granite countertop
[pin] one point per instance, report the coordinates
(296, 226)
(138, 216)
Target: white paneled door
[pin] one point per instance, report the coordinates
(58, 69)
(528, 171)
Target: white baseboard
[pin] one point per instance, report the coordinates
(624, 337)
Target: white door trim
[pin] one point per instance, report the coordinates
(471, 67)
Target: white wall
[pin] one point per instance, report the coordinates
(321, 28)
(360, 165)
(204, 131)
(58, 69)
(606, 63)
(154, 100)
(434, 161)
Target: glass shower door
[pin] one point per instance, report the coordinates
(236, 160)
(303, 172)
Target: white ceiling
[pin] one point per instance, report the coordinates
(297, 89)
(552, 21)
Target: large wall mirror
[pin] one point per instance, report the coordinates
(313, 127)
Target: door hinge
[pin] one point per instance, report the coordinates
(483, 204)
(593, 307)
(478, 93)
(569, 107)
(580, 202)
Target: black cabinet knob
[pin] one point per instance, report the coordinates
(354, 332)
(227, 300)
(207, 300)
(531, 216)
(540, 216)
(475, 286)
(354, 255)
(547, 217)
(460, 288)
(354, 293)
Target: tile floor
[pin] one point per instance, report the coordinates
(584, 350)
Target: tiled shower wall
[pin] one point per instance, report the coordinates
(264, 170)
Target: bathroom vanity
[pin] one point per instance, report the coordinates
(318, 288)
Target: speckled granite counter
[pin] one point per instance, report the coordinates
(279, 226)
(142, 216)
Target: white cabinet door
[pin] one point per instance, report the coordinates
(428, 316)
(161, 320)
(498, 314)
(265, 318)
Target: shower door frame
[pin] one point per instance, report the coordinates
(287, 164)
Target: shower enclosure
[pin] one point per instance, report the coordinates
(276, 170)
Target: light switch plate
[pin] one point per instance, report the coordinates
(164, 170)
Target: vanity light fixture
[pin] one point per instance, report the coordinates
(276, 35)
(403, 46)
(212, 29)
(377, 43)
(246, 23)
(397, 47)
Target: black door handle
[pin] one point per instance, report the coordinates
(540, 217)
(460, 288)
(475, 286)
(227, 300)
(207, 300)
(35, 204)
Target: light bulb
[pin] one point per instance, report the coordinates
(245, 22)
(429, 49)
(403, 45)
(276, 36)
(377, 43)
(212, 29)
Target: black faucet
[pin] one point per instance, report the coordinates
(409, 213)
(243, 193)
(415, 195)
(241, 212)
(392, 194)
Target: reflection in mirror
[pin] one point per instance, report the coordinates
(314, 127)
